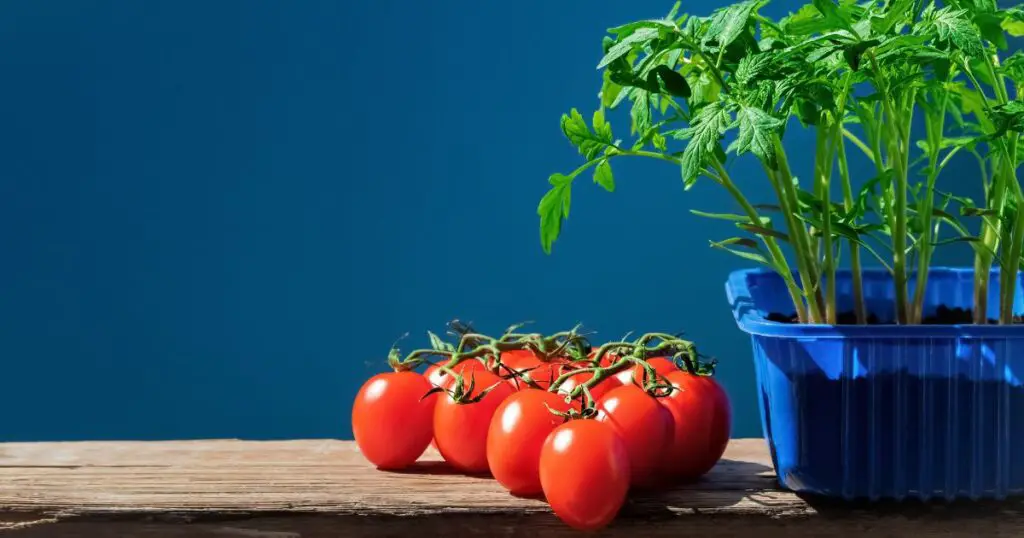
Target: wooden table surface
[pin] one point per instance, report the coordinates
(292, 489)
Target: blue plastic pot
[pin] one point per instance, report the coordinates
(887, 411)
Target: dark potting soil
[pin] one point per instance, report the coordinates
(943, 316)
(888, 434)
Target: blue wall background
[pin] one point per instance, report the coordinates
(217, 216)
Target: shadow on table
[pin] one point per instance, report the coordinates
(732, 483)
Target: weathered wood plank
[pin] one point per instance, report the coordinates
(280, 489)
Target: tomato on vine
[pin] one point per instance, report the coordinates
(460, 426)
(584, 473)
(391, 419)
(440, 378)
(639, 421)
(517, 432)
(702, 420)
(596, 392)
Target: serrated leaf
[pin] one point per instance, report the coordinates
(756, 133)
(728, 23)
(658, 24)
(589, 143)
(1008, 117)
(641, 111)
(955, 27)
(833, 13)
(638, 36)
(898, 13)
(704, 134)
(603, 176)
(553, 209)
(751, 67)
(1013, 66)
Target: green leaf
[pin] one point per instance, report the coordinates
(756, 256)
(898, 14)
(1014, 22)
(639, 36)
(955, 27)
(603, 176)
(728, 23)
(1013, 66)
(438, 344)
(704, 133)
(672, 82)
(589, 143)
(553, 209)
(834, 14)
(757, 130)
(761, 230)
(729, 217)
(641, 111)
(751, 67)
(1008, 117)
(657, 24)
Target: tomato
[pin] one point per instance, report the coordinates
(596, 392)
(516, 435)
(663, 366)
(702, 420)
(391, 420)
(543, 373)
(584, 473)
(460, 429)
(439, 378)
(639, 421)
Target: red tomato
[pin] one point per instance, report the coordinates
(531, 367)
(460, 430)
(391, 421)
(517, 433)
(439, 378)
(597, 392)
(663, 366)
(584, 473)
(639, 421)
(702, 420)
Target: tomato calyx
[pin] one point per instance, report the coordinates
(460, 393)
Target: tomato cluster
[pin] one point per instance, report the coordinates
(580, 430)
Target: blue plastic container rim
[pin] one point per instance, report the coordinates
(750, 320)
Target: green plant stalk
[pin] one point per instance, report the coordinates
(899, 213)
(1011, 262)
(859, 307)
(823, 165)
(799, 237)
(935, 127)
(778, 257)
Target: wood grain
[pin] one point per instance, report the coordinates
(279, 489)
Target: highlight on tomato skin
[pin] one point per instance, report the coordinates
(460, 429)
(584, 473)
(702, 422)
(639, 421)
(391, 419)
(517, 432)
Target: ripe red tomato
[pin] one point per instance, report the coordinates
(596, 392)
(584, 473)
(391, 421)
(517, 433)
(543, 373)
(639, 421)
(460, 429)
(702, 420)
(663, 366)
(439, 378)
